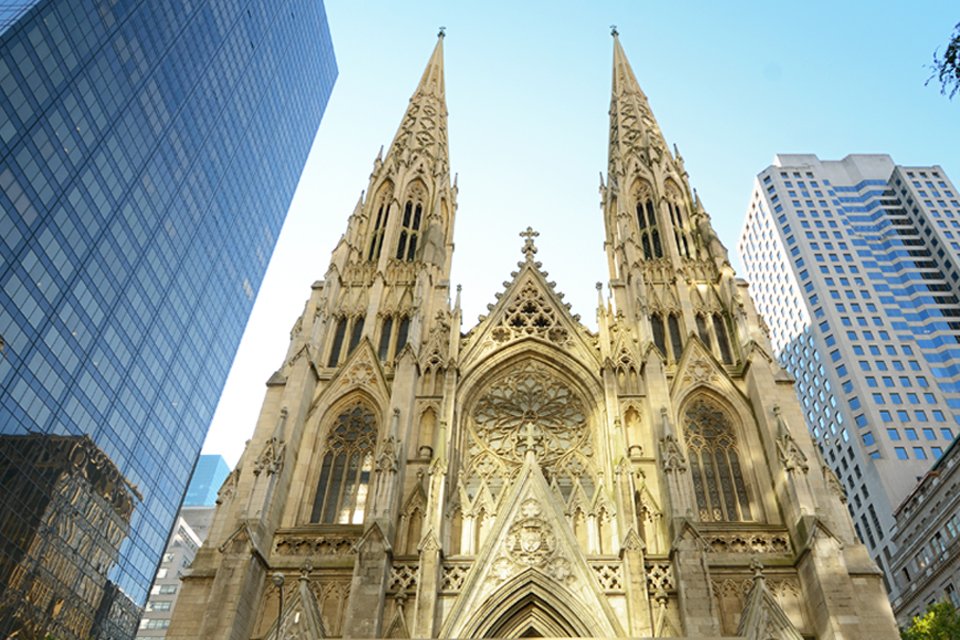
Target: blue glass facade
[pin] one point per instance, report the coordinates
(149, 150)
(208, 475)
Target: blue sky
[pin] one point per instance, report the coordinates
(528, 89)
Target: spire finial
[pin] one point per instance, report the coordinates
(529, 249)
(442, 33)
(613, 30)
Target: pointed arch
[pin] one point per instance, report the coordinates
(531, 605)
(716, 460)
(382, 205)
(347, 464)
(413, 215)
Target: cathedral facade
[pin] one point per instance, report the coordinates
(527, 477)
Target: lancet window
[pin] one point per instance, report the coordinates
(659, 336)
(676, 338)
(338, 335)
(355, 327)
(703, 331)
(393, 332)
(386, 332)
(647, 222)
(410, 225)
(717, 475)
(379, 226)
(678, 220)
(723, 340)
(343, 487)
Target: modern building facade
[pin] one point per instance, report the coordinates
(208, 476)
(926, 568)
(148, 154)
(854, 266)
(64, 512)
(527, 477)
(189, 532)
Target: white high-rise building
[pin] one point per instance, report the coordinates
(854, 266)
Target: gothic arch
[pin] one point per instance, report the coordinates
(383, 206)
(526, 402)
(724, 478)
(318, 432)
(533, 605)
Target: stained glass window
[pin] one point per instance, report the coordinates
(715, 464)
(347, 464)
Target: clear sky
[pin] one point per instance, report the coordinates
(528, 89)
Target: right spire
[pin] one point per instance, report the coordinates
(667, 264)
(632, 125)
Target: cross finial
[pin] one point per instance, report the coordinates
(528, 437)
(613, 30)
(442, 33)
(529, 249)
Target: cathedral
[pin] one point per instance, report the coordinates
(410, 477)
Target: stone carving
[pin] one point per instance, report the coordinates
(529, 408)
(671, 455)
(700, 372)
(453, 576)
(610, 576)
(229, 486)
(403, 578)
(360, 374)
(791, 456)
(272, 456)
(529, 313)
(531, 542)
(314, 545)
(749, 543)
(659, 576)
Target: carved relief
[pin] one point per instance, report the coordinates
(452, 577)
(659, 577)
(609, 575)
(403, 578)
(314, 545)
(529, 408)
(531, 542)
(530, 314)
(749, 543)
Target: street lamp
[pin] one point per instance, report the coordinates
(278, 583)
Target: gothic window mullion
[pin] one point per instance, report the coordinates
(726, 485)
(332, 494)
(349, 488)
(345, 474)
(324, 482)
(742, 498)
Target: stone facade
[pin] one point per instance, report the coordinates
(926, 567)
(409, 477)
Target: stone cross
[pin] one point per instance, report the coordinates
(529, 249)
(529, 434)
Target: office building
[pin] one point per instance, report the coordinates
(411, 476)
(64, 512)
(854, 266)
(926, 568)
(208, 475)
(148, 154)
(188, 534)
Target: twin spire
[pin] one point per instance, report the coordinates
(423, 130)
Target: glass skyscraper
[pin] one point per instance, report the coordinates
(209, 474)
(148, 154)
(855, 266)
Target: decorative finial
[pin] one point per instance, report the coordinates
(529, 249)
(613, 30)
(757, 567)
(442, 33)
